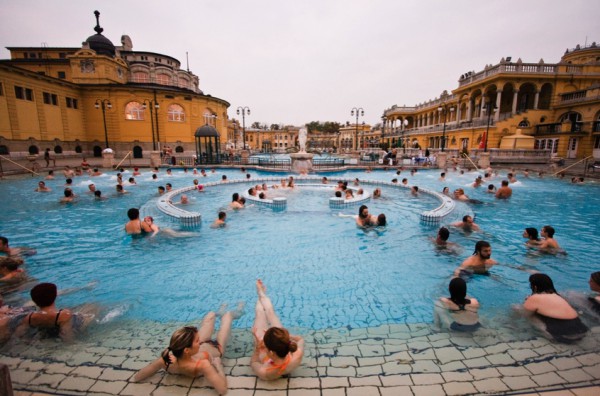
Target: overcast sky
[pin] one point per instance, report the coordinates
(298, 61)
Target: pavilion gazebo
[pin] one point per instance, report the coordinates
(207, 145)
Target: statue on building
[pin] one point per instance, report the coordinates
(302, 134)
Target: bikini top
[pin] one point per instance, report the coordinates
(279, 368)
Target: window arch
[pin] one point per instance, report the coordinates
(162, 79)
(4, 150)
(78, 149)
(33, 149)
(58, 149)
(176, 113)
(134, 111)
(571, 116)
(179, 149)
(140, 77)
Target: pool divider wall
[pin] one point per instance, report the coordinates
(165, 205)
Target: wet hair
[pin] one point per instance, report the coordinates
(466, 217)
(44, 294)
(596, 277)
(361, 209)
(181, 339)
(250, 190)
(133, 213)
(235, 197)
(261, 195)
(248, 176)
(98, 193)
(222, 215)
(444, 233)
(458, 292)
(338, 194)
(169, 185)
(161, 188)
(68, 192)
(278, 340)
(4, 240)
(549, 230)
(154, 176)
(381, 220)
(69, 181)
(242, 200)
(415, 188)
(131, 180)
(532, 233)
(404, 180)
(10, 263)
(541, 283)
(119, 188)
(504, 183)
(480, 245)
(224, 177)
(394, 180)
(491, 187)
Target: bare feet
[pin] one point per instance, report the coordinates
(260, 287)
(239, 310)
(222, 310)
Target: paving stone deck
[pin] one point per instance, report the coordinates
(388, 360)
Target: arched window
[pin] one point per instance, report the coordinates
(183, 82)
(58, 149)
(162, 79)
(134, 111)
(571, 116)
(175, 113)
(78, 149)
(4, 150)
(34, 150)
(138, 152)
(97, 151)
(179, 149)
(140, 77)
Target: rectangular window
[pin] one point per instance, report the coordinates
(19, 92)
(50, 99)
(62, 74)
(62, 55)
(32, 55)
(71, 103)
(29, 94)
(46, 96)
(1, 90)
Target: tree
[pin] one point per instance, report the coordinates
(274, 127)
(255, 125)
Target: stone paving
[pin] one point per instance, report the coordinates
(387, 360)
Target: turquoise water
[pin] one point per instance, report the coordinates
(320, 269)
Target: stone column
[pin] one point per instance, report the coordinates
(470, 109)
(155, 159)
(481, 113)
(498, 102)
(457, 113)
(484, 160)
(108, 159)
(536, 100)
(441, 159)
(514, 103)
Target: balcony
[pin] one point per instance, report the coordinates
(557, 127)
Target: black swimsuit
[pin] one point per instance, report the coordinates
(564, 330)
(49, 331)
(463, 327)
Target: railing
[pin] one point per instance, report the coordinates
(328, 163)
(515, 155)
(525, 68)
(548, 128)
(275, 163)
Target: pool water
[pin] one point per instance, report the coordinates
(320, 269)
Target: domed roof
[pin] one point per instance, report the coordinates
(98, 42)
(206, 130)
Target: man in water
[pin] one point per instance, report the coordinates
(467, 224)
(42, 187)
(549, 243)
(135, 226)
(505, 191)
(16, 251)
(220, 221)
(480, 262)
(364, 218)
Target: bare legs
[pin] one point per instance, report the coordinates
(208, 327)
(265, 314)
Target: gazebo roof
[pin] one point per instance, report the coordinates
(205, 131)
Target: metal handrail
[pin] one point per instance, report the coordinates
(123, 160)
(572, 165)
(464, 155)
(19, 165)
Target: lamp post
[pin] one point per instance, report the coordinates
(444, 110)
(489, 109)
(243, 110)
(358, 111)
(404, 124)
(104, 104)
(152, 103)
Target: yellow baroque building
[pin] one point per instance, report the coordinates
(533, 107)
(82, 100)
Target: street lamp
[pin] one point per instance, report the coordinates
(490, 110)
(153, 104)
(404, 124)
(358, 111)
(243, 110)
(104, 104)
(444, 110)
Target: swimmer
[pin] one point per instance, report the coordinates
(442, 177)
(154, 177)
(50, 175)
(96, 172)
(324, 180)
(504, 192)
(42, 187)
(414, 190)
(161, 189)
(68, 196)
(446, 192)
(11, 272)
(220, 221)
(135, 226)
(276, 351)
(356, 182)
(491, 189)
(121, 190)
(457, 312)
(478, 181)
(442, 237)
(132, 181)
(10, 317)
(511, 177)
(479, 263)
(15, 251)
(551, 313)
(169, 187)
(594, 283)
(377, 193)
(136, 172)
(91, 188)
(548, 243)
(235, 202)
(378, 221)
(224, 179)
(360, 191)
(363, 219)
(98, 196)
(68, 172)
(184, 200)
(467, 224)
(149, 220)
(405, 182)
(262, 195)
(52, 322)
(459, 195)
(532, 236)
(192, 352)
(349, 194)
(252, 192)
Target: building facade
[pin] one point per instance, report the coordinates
(84, 99)
(508, 106)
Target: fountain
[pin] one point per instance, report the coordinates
(302, 162)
